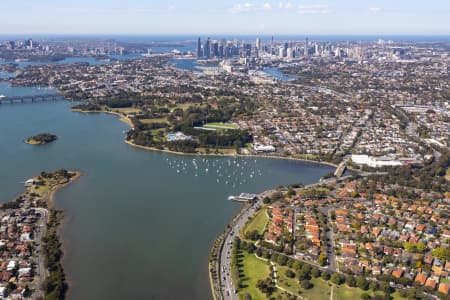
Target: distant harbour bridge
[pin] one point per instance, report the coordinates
(30, 98)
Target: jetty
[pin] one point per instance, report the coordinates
(243, 197)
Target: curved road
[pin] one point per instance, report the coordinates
(225, 257)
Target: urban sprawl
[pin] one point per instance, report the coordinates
(377, 108)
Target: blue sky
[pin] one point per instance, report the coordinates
(412, 17)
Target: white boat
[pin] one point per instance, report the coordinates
(231, 197)
(2, 96)
(29, 182)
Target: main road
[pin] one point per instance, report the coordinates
(41, 270)
(225, 256)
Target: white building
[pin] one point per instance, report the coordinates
(264, 148)
(375, 162)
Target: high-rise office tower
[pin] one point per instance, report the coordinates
(272, 47)
(281, 52)
(306, 47)
(199, 48)
(258, 44)
(215, 48)
(29, 43)
(247, 48)
(207, 49)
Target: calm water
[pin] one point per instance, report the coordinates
(186, 64)
(69, 60)
(93, 61)
(276, 73)
(138, 224)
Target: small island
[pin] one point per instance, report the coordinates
(41, 139)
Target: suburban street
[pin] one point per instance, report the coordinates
(332, 264)
(225, 277)
(40, 261)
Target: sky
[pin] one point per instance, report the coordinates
(152, 17)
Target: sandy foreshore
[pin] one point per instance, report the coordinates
(122, 118)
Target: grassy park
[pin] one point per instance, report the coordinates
(221, 126)
(251, 270)
(258, 222)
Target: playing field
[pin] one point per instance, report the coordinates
(221, 126)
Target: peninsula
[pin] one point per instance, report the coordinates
(41, 139)
(30, 243)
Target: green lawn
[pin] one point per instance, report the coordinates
(258, 222)
(321, 289)
(155, 120)
(156, 131)
(305, 156)
(126, 110)
(396, 296)
(252, 269)
(221, 126)
(344, 292)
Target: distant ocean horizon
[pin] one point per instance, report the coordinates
(172, 38)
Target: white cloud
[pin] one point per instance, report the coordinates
(313, 9)
(282, 6)
(242, 7)
(287, 5)
(374, 10)
(119, 10)
(267, 6)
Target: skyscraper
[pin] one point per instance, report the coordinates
(306, 47)
(199, 49)
(215, 48)
(258, 43)
(207, 49)
(272, 47)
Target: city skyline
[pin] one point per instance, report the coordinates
(231, 17)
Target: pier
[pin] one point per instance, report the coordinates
(30, 98)
(243, 197)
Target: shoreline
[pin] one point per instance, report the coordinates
(53, 226)
(330, 164)
(222, 237)
(122, 118)
(52, 194)
(244, 207)
(61, 222)
(127, 121)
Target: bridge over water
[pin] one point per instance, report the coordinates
(30, 98)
